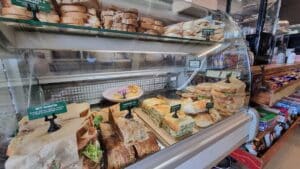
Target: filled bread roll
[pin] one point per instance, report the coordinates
(73, 8)
(75, 15)
(15, 10)
(72, 20)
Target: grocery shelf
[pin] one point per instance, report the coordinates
(274, 68)
(204, 149)
(272, 96)
(269, 98)
(253, 162)
(278, 144)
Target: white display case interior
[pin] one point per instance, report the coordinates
(44, 62)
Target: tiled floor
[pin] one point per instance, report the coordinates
(288, 157)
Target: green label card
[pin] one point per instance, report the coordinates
(129, 104)
(175, 108)
(46, 110)
(43, 5)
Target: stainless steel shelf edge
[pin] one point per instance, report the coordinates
(43, 40)
(104, 76)
(203, 149)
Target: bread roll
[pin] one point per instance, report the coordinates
(147, 20)
(16, 17)
(72, 20)
(94, 22)
(151, 32)
(92, 11)
(173, 35)
(75, 15)
(73, 8)
(108, 13)
(158, 23)
(129, 22)
(129, 16)
(15, 10)
(131, 30)
(6, 3)
(174, 29)
(132, 10)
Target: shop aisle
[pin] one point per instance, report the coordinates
(288, 155)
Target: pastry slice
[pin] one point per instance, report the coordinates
(178, 127)
(149, 103)
(146, 147)
(158, 112)
(130, 130)
(120, 156)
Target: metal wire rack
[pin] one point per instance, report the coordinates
(91, 91)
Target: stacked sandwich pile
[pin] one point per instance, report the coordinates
(79, 15)
(229, 96)
(120, 19)
(159, 110)
(194, 30)
(75, 145)
(125, 140)
(201, 91)
(16, 12)
(150, 26)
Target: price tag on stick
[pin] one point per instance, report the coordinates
(46, 110)
(175, 109)
(207, 33)
(35, 6)
(128, 105)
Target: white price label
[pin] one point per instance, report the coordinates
(194, 63)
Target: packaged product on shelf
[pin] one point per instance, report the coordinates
(196, 29)
(267, 119)
(150, 26)
(120, 19)
(10, 10)
(292, 106)
(79, 14)
(15, 12)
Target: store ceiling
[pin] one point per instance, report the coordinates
(290, 11)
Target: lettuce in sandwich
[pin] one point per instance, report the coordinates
(93, 152)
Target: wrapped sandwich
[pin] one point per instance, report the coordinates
(195, 107)
(74, 146)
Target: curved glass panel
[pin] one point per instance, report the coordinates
(162, 49)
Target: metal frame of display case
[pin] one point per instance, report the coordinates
(202, 150)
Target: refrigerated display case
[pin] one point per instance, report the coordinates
(44, 63)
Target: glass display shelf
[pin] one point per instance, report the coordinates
(32, 25)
